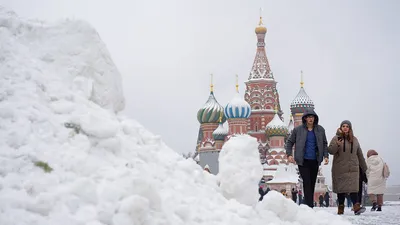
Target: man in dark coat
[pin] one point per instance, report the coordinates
(326, 197)
(311, 148)
(294, 195)
(321, 200)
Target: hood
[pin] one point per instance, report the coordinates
(338, 132)
(310, 112)
(371, 152)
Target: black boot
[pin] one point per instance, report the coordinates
(373, 206)
(379, 208)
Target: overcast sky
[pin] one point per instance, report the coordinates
(165, 51)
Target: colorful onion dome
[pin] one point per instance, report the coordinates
(276, 127)
(220, 133)
(237, 108)
(302, 100)
(211, 111)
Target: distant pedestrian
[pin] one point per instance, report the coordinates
(326, 198)
(261, 192)
(300, 197)
(321, 200)
(294, 195)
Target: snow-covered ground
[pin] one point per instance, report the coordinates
(68, 157)
(389, 215)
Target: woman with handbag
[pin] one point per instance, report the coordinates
(376, 179)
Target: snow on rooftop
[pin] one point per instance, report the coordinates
(276, 122)
(269, 172)
(68, 159)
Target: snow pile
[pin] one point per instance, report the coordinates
(66, 44)
(67, 159)
(240, 169)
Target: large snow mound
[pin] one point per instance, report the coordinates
(240, 154)
(68, 159)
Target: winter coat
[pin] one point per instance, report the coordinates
(348, 159)
(376, 181)
(298, 139)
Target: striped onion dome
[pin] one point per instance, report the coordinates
(237, 108)
(302, 100)
(220, 133)
(211, 111)
(276, 127)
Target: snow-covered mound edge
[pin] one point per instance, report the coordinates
(105, 168)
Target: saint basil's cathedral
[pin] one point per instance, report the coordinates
(259, 115)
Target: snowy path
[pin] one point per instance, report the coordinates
(389, 215)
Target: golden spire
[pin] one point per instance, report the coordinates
(261, 22)
(261, 29)
(291, 116)
(211, 85)
(301, 79)
(220, 117)
(237, 84)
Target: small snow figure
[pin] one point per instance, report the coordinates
(207, 168)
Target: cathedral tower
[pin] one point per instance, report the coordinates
(261, 92)
(300, 103)
(209, 117)
(237, 111)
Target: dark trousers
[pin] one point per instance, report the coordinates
(342, 197)
(362, 178)
(360, 191)
(308, 172)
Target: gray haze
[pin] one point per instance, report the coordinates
(165, 50)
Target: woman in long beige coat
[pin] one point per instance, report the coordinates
(347, 160)
(376, 180)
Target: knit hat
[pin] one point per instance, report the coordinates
(346, 122)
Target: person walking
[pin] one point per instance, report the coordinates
(311, 148)
(321, 200)
(326, 198)
(376, 179)
(300, 197)
(347, 161)
(294, 195)
(261, 192)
